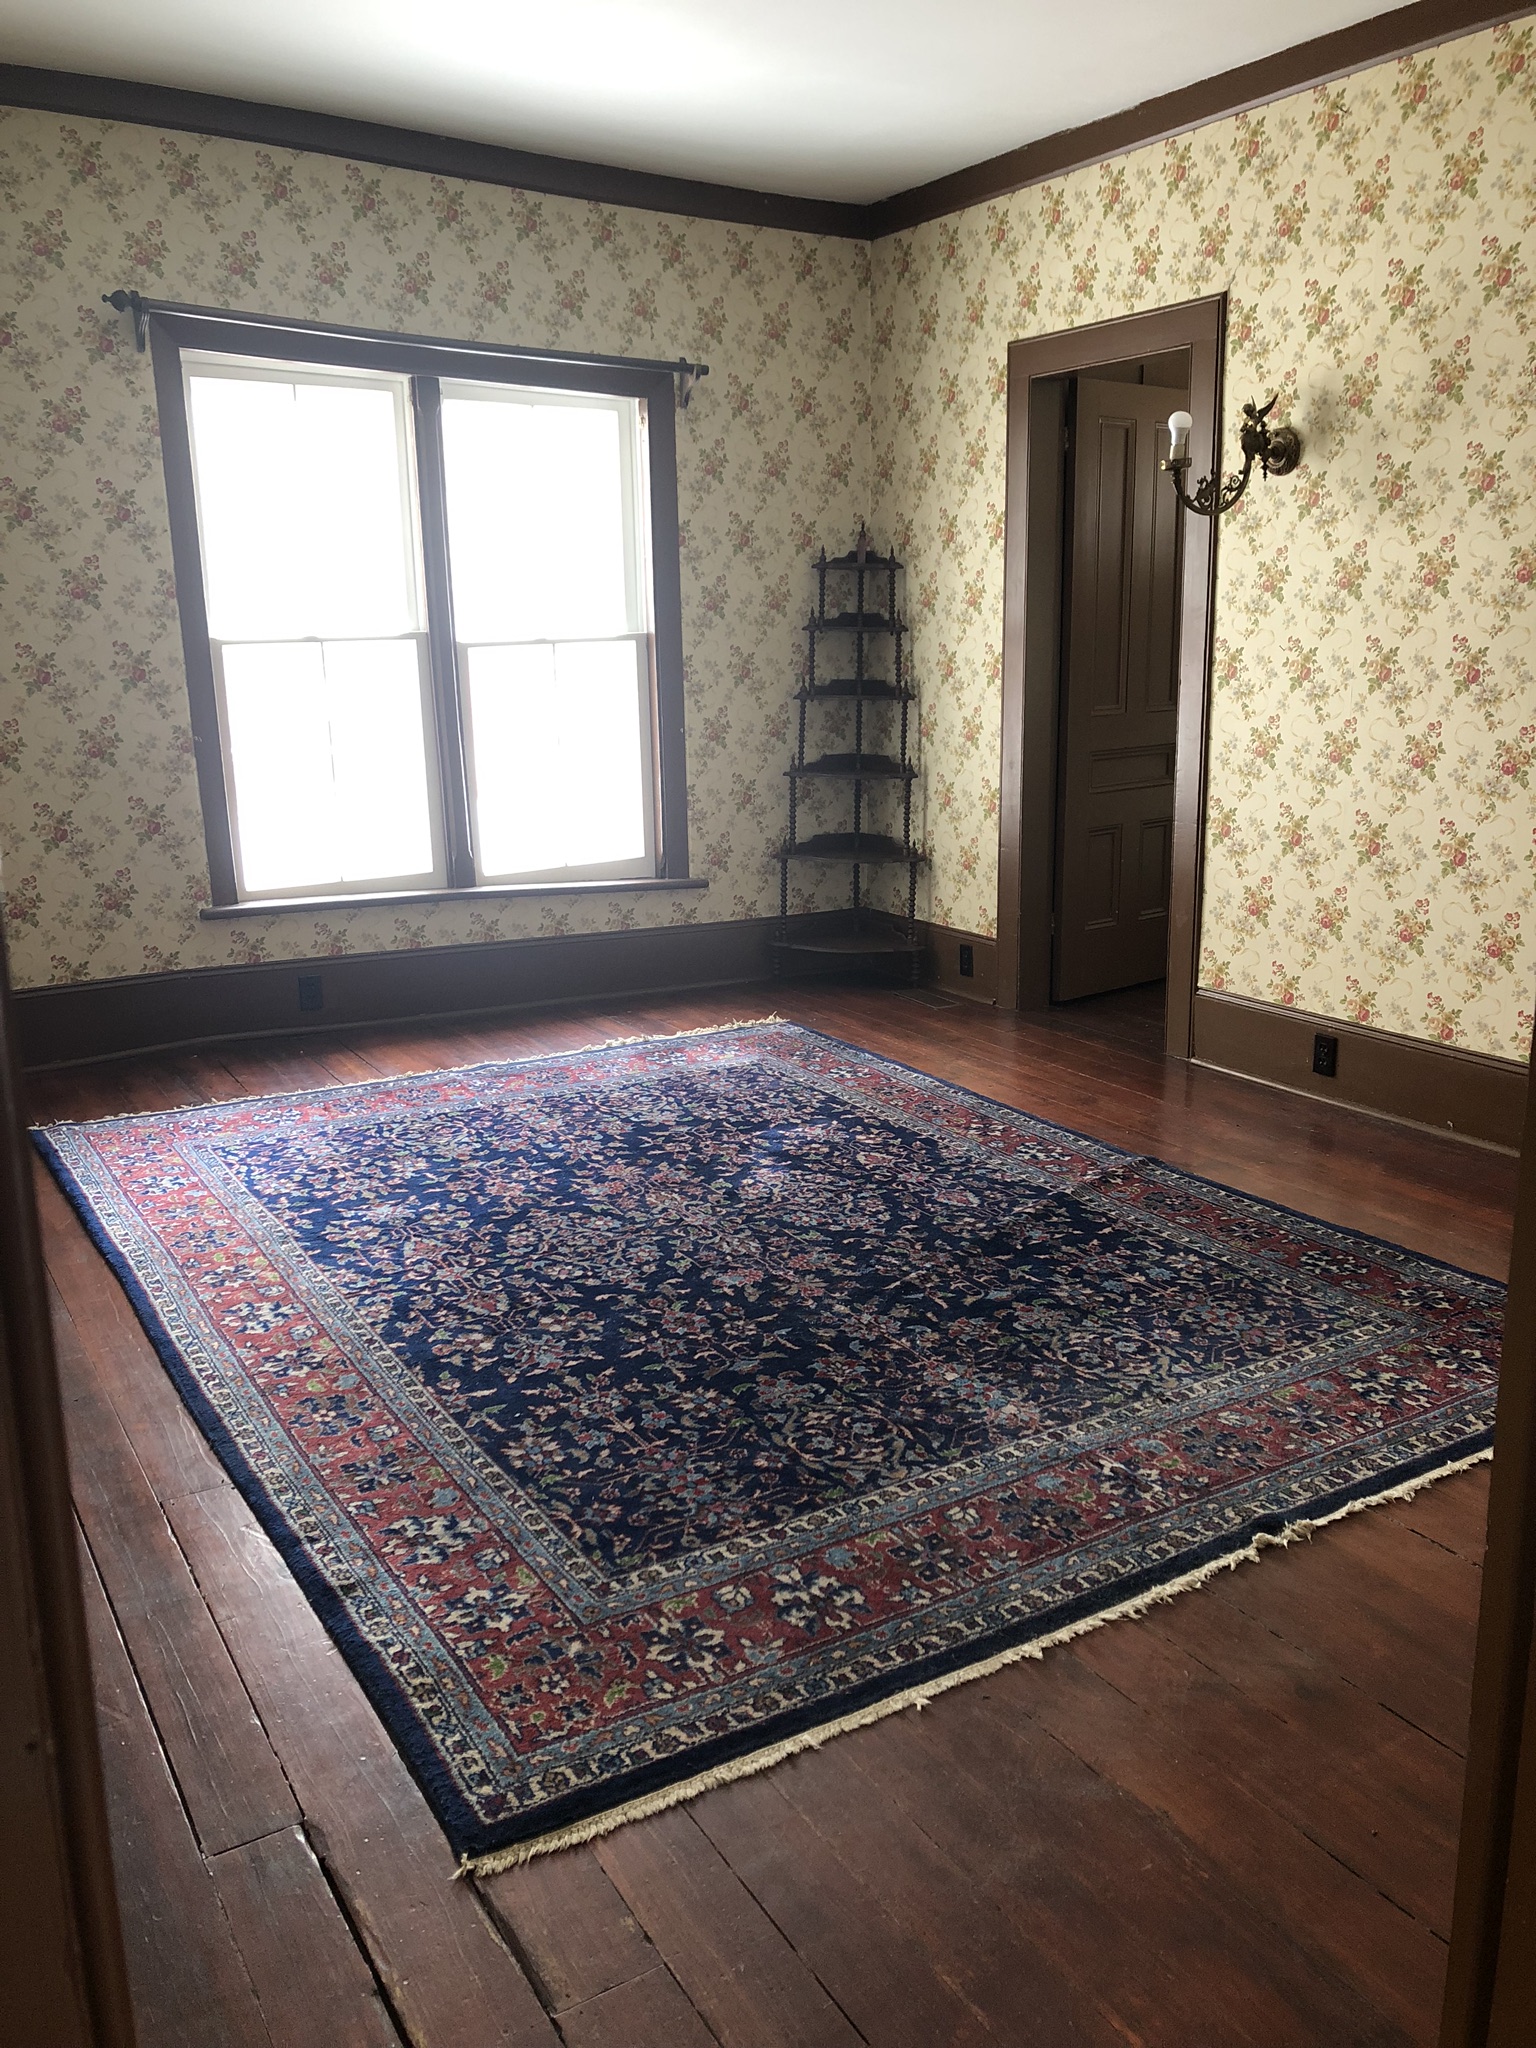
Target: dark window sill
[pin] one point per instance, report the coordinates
(270, 905)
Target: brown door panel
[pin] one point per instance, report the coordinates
(1119, 705)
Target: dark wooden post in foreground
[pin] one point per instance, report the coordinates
(62, 1980)
(1490, 1991)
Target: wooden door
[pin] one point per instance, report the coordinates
(1119, 699)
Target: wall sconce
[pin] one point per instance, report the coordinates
(1276, 450)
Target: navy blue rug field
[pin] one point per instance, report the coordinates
(633, 1417)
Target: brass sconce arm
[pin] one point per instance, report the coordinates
(1276, 450)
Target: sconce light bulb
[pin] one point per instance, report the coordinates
(1179, 428)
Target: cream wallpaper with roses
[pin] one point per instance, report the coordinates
(100, 831)
(1374, 717)
(1370, 848)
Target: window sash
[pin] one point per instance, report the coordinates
(643, 863)
(434, 876)
(634, 496)
(197, 366)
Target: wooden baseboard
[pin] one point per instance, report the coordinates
(143, 1013)
(1437, 1086)
(92, 1020)
(942, 963)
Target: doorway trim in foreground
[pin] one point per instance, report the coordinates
(1027, 809)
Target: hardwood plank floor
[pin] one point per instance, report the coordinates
(1230, 1823)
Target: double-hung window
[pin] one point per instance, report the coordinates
(430, 602)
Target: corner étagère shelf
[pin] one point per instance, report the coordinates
(858, 697)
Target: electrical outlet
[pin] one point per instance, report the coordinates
(967, 960)
(311, 994)
(1325, 1055)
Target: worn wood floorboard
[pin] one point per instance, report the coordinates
(1231, 1823)
(230, 1780)
(312, 1980)
(183, 1961)
(449, 1976)
(573, 1931)
(649, 2008)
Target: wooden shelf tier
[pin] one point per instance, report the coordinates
(858, 767)
(866, 848)
(856, 622)
(867, 561)
(873, 689)
(861, 937)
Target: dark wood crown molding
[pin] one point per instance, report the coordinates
(1382, 37)
(411, 149)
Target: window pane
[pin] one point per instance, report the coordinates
(537, 525)
(302, 507)
(379, 755)
(280, 754)
(329, 763)
(560, 770)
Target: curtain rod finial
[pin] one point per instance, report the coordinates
(688, 374)
(130, 302)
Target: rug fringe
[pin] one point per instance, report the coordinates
(918, 1696)
(415, 1074)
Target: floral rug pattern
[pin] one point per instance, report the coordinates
(626, 1412)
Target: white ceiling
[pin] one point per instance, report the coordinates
(852, 102)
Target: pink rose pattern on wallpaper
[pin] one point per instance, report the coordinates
(1370, 849)
(1370, 845)
(104, 861)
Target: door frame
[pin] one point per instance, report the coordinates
(63, 1977)
(1031, 647)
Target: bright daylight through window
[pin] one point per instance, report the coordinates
(345, 758)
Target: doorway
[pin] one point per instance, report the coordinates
(1117, 710)
(1106, 654)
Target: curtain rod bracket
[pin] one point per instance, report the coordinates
(688, 375)
(130, 302)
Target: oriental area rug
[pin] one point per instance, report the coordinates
(635, 1417)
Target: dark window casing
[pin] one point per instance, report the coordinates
(425, 362)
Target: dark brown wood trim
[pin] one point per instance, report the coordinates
(191, 606)
(1496, 1865)
(941, 963)
(1514, 1984)
(1027, 809)
(97, 1019)
(668, 707)
(411, 149)
(1034, 563)
(61, 1954)
(1335, 55)
(1438, 1086)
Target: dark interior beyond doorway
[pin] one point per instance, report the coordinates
(1118, 694)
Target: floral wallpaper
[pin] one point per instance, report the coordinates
(1369, 846)
(101, 842)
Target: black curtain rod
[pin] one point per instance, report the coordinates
(687, 374)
